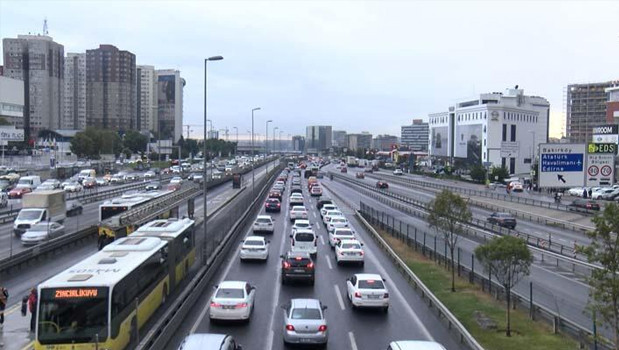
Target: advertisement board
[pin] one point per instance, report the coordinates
(10, 133)
(605, 134)
(440, 144)
(562, 165)
(468, 142)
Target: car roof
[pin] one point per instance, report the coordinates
(305, 303)
(415, 345)
(203, 341)
(302, 221)
(255, 238)
(342, 229)
(350, 240)
(232, 284)
(368, 276)
(298, 207)
(263, 217)
(293, 253)
(304, 230)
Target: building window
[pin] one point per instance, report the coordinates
(513, 133)
(504, 138)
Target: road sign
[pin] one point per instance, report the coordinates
(600, 169)
(610, 148)
(562, 165)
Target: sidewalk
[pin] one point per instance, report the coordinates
(15, 335)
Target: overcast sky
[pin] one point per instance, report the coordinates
(358, 66)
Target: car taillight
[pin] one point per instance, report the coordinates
(289, 327)
(322, 328)
(310, 265)
(286, 265)
(214, 304)
(386, 295)
(240, 305)
(357, 294)
(278, 205)
(361, 253)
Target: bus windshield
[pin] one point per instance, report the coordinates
(73, 315)
(109, 211)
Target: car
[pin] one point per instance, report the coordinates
(502, 219)
(301, 224)
(327, 207)
(275, 194)
(73, 186)
(576, 191)
(609, 196)
(255, 248)
(304, 241)
(296, 198)
(197, 178)
(149, 174)
(44, 187)
(51, 182)
(305, 322)
(415, 345)
(329, 215)
(398, 172)
(176, 180)
(279, 188)
(360, 175)
(173, 187)
(381, 184)
(41, 232)
(343, 169)
(516, 186)
(599, 194)
(296, 189)
(367, 290)
(339, 234)
(337, 222)
(209, 341)
(322, 201)
(585, 204)
(298, 212)
(349, 250)
(153, 186)
(19, 191)
(102, 181)
(316, 191)
(133, 177)
(272, 205)
(263, 223)
(74, 208)
(232, 300)
(117, 179)
(297, 266)
(89, 182)
(296, 181)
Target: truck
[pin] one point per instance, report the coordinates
(40, 206)
(351, 162)
(236, 180)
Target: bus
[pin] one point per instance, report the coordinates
(103, 301)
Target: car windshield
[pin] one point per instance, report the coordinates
(301, 224)
(298, 209)
(253, 242)
(230, 293)
(351, 246)
(304, 237)
(343, 233)
(371, 284)
(305, 314)
(263, 221)
(29, 215)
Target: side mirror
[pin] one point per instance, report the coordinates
(281, 256)
(324, 307)
(268, 241)
(384, 280)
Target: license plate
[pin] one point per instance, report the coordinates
(299, 270)
(373, 296)
(228, 307)
(305, 340)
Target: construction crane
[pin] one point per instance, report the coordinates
(189, 126)
(45, 32)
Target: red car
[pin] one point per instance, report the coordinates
(18, 192)
(382, 184)
(89, 183)
(344, 169)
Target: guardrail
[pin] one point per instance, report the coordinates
(416, 238)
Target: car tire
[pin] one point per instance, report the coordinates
(386, 309)
(362, 263)
(283, 280)
(312, 280)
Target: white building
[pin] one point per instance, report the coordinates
(503, 129)
(74, 109)
(12, 101)
(147, 98)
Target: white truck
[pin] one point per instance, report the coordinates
(39, 207)
(351, 161)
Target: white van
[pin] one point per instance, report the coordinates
(31, 181)
(86, 173)
(304, 241)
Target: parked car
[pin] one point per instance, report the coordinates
(74, 208)
(255, 248)
(516, 186)
(576, 191)
(502, 219)
(305, 322)
(585, 204)
(297, 266)
(600, 194)
(272, 205)
(232, 300)
(382, 184)
(609, 196)
(41, 232)
(209, 341)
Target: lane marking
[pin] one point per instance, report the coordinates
(339, 297)
(317, 226)
(314, 213)
(353, 343)
(329, 263)
(322, 240)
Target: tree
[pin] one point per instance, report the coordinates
(499, 174)
(135, 141)
(507, 258)
(449, 213)
(83, 146)
(478, 173)
(604, 282)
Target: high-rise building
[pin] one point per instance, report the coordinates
(384, 142)
(170, 104)
(318, 138)
(39, 62)
(339, 138)
(586, 108)
(147, 98)
(74, 107)
(612, 105)
(298, 143)
(503, 129)
(12, 101)
(359, 141)
(111, 89)
(416, 135)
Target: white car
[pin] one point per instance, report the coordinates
(516, 186)
(298, 212)
(264, 223)
(149, 174)
(576, 191)
(599, 193)
(367, 290)
(337, 222)
(301, 224)
(327, 207)
(232, 300)
(349, 250)
(73, 187)
(41, 232)
(296, 198)
(329, 215)
(255, 248)
(176, 180)
(304, 241)
(398, 172)
(415, 345)
(339, 234)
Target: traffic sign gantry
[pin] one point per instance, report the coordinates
(562, 165)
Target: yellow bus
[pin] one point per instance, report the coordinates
(104, 300)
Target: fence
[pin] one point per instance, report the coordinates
(565, 316)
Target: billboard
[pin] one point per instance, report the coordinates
(166, 89)
(10, 133)
(605, 134)
(468, 142)
(562, 165)
(440, 143)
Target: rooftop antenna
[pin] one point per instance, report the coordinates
(45, 32)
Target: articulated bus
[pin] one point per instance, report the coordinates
(104, 300)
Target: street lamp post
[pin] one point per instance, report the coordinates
(279, 141)
(237, 139)
(253, 152)
(275, 128)
(205, 245)
(266, 143)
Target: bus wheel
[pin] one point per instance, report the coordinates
(101, 242)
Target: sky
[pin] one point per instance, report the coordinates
(355, 65)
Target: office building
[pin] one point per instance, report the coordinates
(385, 142)
(416, 135)
(612, 105)
(318, 138)
(147, 98)
(339, 139)
(74, 107)
(38, 61)
(298, 143)
(361, 141)
(12, 101)
(111, 89)
(170, 104)
(586, 108)
(500, 129)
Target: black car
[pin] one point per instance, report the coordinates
(585, 204)
(297, 266)
(382, 184)
(74, 208)
(152, 186)
(502, 219)
(275, 194)
(273, 204)
(322, 201)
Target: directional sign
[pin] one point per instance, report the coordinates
(600, 169)
(562, 165)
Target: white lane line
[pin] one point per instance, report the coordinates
(339, 297)
(322, 240)
(353, 343)
(329, 263)
(314, 213)
(317, 226)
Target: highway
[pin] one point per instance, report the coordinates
(408, 317)
(15, 333)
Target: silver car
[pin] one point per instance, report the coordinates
(41, 232)
(305, 323)
(209, 341)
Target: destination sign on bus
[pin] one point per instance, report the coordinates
(76, 293)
